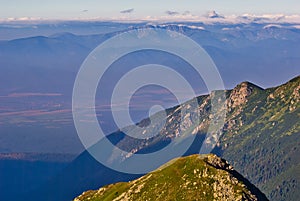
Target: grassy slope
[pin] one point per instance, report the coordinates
(189, 178)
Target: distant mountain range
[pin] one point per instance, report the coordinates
(260, 139)
(196, 177)
(238, 49)
(263, 53)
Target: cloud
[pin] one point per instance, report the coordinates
(171, 16)
(172, 13)
(186, 12)
(296, 26)
(84, 11)
(127, 10)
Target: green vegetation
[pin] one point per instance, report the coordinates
(196, 177)
(263, 144)
(260, 138)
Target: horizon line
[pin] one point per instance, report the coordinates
(243, 18)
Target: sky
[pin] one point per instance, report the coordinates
(118, 9)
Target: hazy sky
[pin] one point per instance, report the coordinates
(66, 9)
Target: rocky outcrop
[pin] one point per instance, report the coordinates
(239, 94)
(217, 162)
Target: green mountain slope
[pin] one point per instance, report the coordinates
(263, 140)
(260, 138)
(261, 135)
(196, 177)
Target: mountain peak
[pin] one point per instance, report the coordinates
(239, 95)
(195, 177)
(214, 14)
(248, 84)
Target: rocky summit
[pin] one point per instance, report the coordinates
(196, 177)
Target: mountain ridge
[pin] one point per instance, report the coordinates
(195, 177)
(260, 139)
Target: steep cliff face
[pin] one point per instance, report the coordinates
(196, 177)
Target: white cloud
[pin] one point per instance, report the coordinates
(226, 19)
(296, 26)
(174, 16)
(272, 26)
